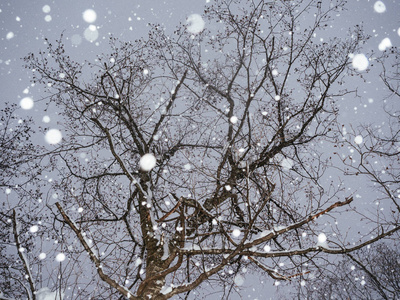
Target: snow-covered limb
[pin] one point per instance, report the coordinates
(274, 274)
(219, 251)
(121, 289)
(298, 224)
(162, 219)
(24, 259)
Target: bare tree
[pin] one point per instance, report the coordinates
(186, 158)
(18, 179)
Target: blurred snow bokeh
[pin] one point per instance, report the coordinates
(89, 15)
(26, 103)
(360, 62)
(358, 139)
(46, 294)
(60, 257)
(195, 23)
(385, 44)
(147, 162)
(379, 7)
(53, 136)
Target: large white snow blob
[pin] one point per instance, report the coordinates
(89, 16)
(53, 136)
(147, 162)
(360, 62)
(10, 35)
(60, 257)
(26, 103)
(358, 139)
(195, 24)
(267, 248)
(379, 7)
(385, 44)
(321, 238)
(34, 229)
(46, 9)
(233, 119)
(236, 233)
(42, 256)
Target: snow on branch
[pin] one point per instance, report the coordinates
(24, 259)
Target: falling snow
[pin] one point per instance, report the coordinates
(379, 7)
(34, 229)
(321, 238)
(46, 9)
(233, 119)
(26, 103)
(89, 16)
(358, 139)
(267, 248)
(10, 35)
(91, 33)
(95, 34)
(385, 44)
(147, 162)
(53, 136)
(360, 62)
(195, 24)
(60, 257)
(236, 233)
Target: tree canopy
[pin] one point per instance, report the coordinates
(188, 158)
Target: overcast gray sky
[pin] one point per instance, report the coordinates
(25, 23)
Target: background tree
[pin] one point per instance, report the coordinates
(18, 178)
(367, 274)
(189, 158)
(371, 273)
